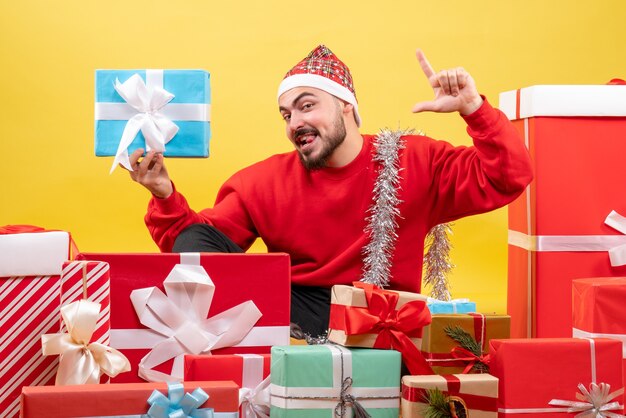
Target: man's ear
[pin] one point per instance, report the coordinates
(347, 108)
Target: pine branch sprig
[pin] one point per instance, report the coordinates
(468, 342)
(441, 405)
(438, 405)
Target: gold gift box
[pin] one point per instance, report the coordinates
(437, 346)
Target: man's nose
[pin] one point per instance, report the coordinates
(295, 121)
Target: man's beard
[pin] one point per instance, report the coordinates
(329, 144)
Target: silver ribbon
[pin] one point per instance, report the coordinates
(592, 403)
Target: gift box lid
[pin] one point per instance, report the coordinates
(564, 100)
(598, 305)
(452, 306)
(33, 253)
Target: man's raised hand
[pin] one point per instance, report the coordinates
(455, 90)
(151, 173)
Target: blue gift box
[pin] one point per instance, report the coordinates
(460, 306)
(188, 110)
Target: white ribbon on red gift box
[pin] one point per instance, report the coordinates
(593, 402)
(148, 109)
(579, 333)
(615, 245)
(254, 395)
(179, 317)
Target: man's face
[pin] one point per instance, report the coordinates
(314, 124)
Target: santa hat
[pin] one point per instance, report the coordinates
(322, 70)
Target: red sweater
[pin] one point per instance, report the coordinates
(318, 217)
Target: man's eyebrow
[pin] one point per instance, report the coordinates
(293, 103)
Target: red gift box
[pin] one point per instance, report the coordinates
(599, 310)
(556, 227)
(261, 278)
(117, 400)
(533, 372)
(248, 371)
(29, 308)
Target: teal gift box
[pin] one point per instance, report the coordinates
(171, 105)
(328, 380)
(460, 306)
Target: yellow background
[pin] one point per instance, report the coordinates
(49, 51)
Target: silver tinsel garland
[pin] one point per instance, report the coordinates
(437, 263)
(381, 221)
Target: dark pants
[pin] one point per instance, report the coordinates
(310, 306)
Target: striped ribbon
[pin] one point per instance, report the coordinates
(88, 280)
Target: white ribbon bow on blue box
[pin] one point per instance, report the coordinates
(163, 110)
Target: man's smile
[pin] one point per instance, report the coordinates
(304, 138)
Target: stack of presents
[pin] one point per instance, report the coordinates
(208, 335)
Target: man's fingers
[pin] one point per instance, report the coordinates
(461, 76)
(158, 163)
(147, 161)
(444, 81)
(454, 82)
(426, 67)
(424, 107)
(135, 156)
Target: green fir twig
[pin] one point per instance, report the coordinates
(438, 405)
(441, 405)
(469, 343)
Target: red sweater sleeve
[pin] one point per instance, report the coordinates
(491, 174)
(166, 218)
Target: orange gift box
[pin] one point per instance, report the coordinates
(556, 227)
(533, 372)
(438, 348)
(115, 399)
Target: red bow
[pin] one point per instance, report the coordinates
(394, 327)
(463, 354)
(19, 229)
